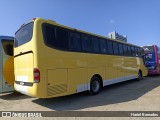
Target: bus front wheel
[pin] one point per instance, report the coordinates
(95, 86)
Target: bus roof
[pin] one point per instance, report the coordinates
(149, 45)
(6, 37)
(70, 28)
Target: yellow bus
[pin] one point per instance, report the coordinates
(6, 64)
(54, 60)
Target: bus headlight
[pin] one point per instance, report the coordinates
(153, 67)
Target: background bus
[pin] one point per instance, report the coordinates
(54, 60)
(152, 59)
(6, 64)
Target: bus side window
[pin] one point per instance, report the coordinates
(95, 45)
(49, 35)
(110, 47)
(136, 51)
(115, 48)
(120, 49)
(125, 49)
(62, 38)
(103, 47)
(142, 52)
(132, 51)
(86, 43)
(139, 52)
(75, 41)
(129, 50)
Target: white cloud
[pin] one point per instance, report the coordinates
(112, 21)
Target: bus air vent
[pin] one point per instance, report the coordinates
(56, 89)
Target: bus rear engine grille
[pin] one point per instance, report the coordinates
(56, 89)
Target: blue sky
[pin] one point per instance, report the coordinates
(138, 19)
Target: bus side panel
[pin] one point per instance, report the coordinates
(131, 66)
(77, 80)
(143, 67)
(92, 71)
(120, 70)
(139, 67)
(135, 71)
(8, 69)
(111, 68)
(1, 70)
(6, 72)
(128, 66)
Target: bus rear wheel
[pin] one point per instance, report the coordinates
(95, 86)
(139, 75)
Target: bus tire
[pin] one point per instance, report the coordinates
(95, 85)
(139, 75)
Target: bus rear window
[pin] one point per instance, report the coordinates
(24, 34)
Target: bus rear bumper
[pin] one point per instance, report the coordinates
(30, 90)
(22, 89)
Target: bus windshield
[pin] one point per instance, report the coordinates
(24, 34)
(148, 48)
(149, 57)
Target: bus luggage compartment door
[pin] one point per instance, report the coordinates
(57, 82)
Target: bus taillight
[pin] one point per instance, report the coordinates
(36, 75)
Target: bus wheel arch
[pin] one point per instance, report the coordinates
(96, 84)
